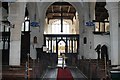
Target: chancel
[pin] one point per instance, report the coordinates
(59, 39)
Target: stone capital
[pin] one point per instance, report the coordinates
(16, 12)
(15, 19)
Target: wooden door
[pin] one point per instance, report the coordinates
(25, 45)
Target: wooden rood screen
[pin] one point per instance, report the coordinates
(58, 44)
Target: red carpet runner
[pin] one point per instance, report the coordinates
(64, 74)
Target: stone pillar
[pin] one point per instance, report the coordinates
(81, 49)
(112, 8)
(34, 33)
(42, 25)
(42, 15)
(87, 31)
(16, 17)
(34, 30)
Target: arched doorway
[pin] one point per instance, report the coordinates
(104, 53)
(61, 49)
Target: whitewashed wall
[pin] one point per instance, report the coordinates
(103, 40)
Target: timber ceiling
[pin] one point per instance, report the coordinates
(61, 9)
(68, 11)
(54, 11)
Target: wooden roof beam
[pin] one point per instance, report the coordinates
(52, 9)
(59, 17)
(64, 12)
(69, 9)
(71, 14)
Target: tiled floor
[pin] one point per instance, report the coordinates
(51, 74)
(77, 74)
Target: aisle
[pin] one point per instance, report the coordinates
(67, 73)
(51, 74)
(64, 74)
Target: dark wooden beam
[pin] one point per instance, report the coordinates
(59, 14)
(69, 9)
(64, 17)
(59, 18)
(61, 3)
(56, 12)
(100, 21)
(52, 9)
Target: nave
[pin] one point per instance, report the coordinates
(71, 73)
(33, 35)
(84, 69)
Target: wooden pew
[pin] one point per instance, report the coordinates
(93, 68)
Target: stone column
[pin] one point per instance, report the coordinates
(112, 8)
(81, 49)
(34, 30)
(87, 31)
(16, 17)
(42, 15)
(42, 25)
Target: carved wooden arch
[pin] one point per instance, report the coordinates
(61, 40)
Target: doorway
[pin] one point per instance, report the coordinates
(25, 40)
(61, 47)
(104, 53)
(61, 51)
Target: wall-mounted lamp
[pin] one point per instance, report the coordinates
(12, 25)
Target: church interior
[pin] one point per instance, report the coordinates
(59, 40)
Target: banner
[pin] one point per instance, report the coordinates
(34, 24)
(89, 23)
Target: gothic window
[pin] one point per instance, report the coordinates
(85, 40)
(56, 27)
